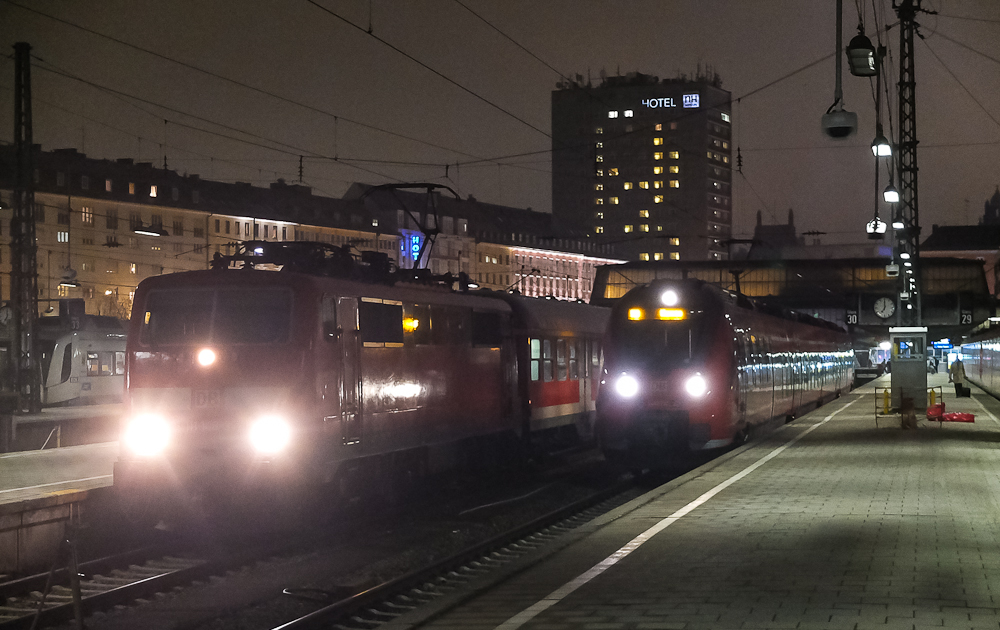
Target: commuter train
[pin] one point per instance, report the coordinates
(330, 371)
(981, 357)
(689, 366)
(82, 359)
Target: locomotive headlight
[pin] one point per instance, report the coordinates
(147, 435)
(626, 386)
(696, 385)
(270, 435)
(669, 298)
(206, 357)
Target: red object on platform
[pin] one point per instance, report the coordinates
(934, 412)
(958, 417)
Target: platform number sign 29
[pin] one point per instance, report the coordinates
(965, 318)
(852, 318)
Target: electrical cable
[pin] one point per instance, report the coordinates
(959, 81)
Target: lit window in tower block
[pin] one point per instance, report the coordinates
(628, 228)
(658, 199)
(675, 256)
(675, 169)
(658, 183)
(644, 256)
(612, 172)
(599, 200)
(644, 214)
(658, 256)
(657, 141)
(612, 114)
(675, 183)
(658, 155)
(675, 155)
(628, 186)
(613, 200)
(644, 185)
(644, 227)
(657, 170)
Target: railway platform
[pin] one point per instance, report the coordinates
(831, 522)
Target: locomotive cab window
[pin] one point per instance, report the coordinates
(380, 322)
(488, 329)
(223, 316)
(417, 324)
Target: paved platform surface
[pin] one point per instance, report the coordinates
(29, 475)
(832, 522)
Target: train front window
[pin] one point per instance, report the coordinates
(228, 316)
(662, 342)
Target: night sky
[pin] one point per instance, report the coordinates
(375, 115)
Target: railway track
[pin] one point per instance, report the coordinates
(456, 574)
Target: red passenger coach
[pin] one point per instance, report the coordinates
(237, 377)
(689, 366)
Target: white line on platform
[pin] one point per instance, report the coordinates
(56, 483)
(563, 591)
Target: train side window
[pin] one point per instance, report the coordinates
(574, 371)
(561, 359)
(585, 349)
(93, 364)
(451, 326)
(547, 360)
(535, 349)
(119, 363)
(381, 323)
(417, 324)
(67, 363)
(329, 315)
(487, 329)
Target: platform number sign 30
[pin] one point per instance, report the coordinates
(965, 318)
(852, 318)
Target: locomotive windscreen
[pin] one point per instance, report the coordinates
(660, 342)
(237, 316)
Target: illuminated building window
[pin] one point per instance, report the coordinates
(628, 113)
(598, 186)
(152, 191)
(675, 169)
(599, 158)
(725, 117)
(628, 186)
(644, 214)
(658, 256)
(62, 237)
(644, 256)
(612, 172)
(644, 227)
(131, 188)
(598, 130)
(132, 268)
(725, 145)
(657, 170)
(600, 215)
(673, 126)
(599, 145)
(107, 185)
(716, 142)
(708, 154)
(628, 228)
(675, 155)
(644, 185)
(725, 158)
(675, 183)
(675, 241)
(658, 183)
(614, 200)
(600, 172)
(612, 114)
(599, 229)
(658, 199)
(659, 228)
(657, 141)
(658, 155)
(675, 256)
(659, 127)
(63, 291)
(599, 200)
(86, 215)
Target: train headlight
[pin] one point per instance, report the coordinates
(626, 386)
(206, 357)
(696, 386)
(147, 435)
(669, 298)
(270, 435)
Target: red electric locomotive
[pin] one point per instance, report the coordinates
(238, 377)
(689, 366)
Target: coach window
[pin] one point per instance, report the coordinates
(561, 359)
(547, 360)
(67, 363)
(381, 322)
(535, 350)
(574, 372)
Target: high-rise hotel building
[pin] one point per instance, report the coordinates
(646, 164)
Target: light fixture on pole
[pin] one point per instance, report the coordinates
(880, 145)
(876, 228)
(861, 56)
(152, 230)
(68, 278)
(891, 195)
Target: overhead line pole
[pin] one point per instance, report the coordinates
(24, 246)
(908, 238)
